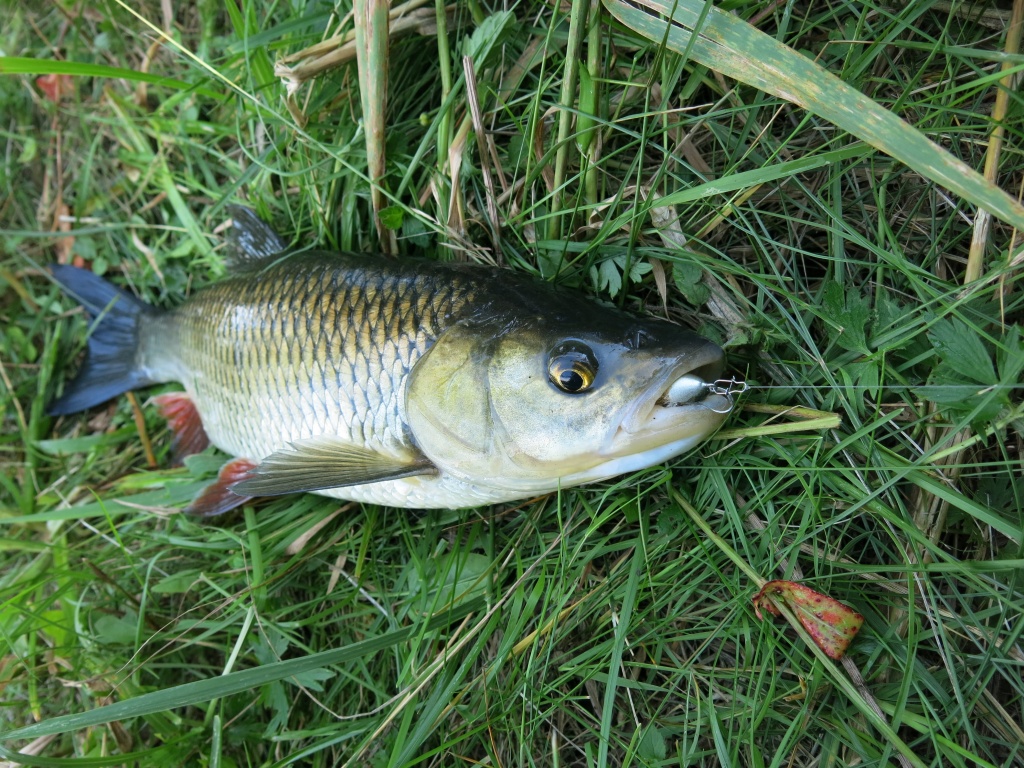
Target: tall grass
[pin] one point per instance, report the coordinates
(598, 626)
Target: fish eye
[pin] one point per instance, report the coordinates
(572, 367)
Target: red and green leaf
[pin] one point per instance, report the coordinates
(831, 624)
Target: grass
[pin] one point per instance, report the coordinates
(601, 626)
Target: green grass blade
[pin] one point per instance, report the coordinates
(609, 710)
(765, 175)
(236, 682)
(729, 45)
(18, 65)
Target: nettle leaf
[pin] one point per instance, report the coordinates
(392, 217)
(275, 699)
(652, 745)
(962, 350)
(889, 314)
(946, 386)
(966, 379)
(117, 630)
(312, 679)
(869, 380)
(831, 624)
(1010, 357)
(847, 316)
(415, 232)
(955, 395)
(689, 279)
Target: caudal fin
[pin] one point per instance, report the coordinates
(111, 362)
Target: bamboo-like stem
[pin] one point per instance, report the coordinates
(593, 148)
(371, 22)
(982, 222)
(931, 512)
(1014, 253)
(338, 49)
(577, 22)
(481, 144)
(444, 57)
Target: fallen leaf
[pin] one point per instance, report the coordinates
(56, 87)
(831, 624)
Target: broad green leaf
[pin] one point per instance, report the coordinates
(961, 349)
(606, 277)
(729, 45)
(847, 316)
(117, 630)
(1010, 356)
(451, 579)
(66, 446)
(313, 679)
(176, 583)
(945, 393)
(652, 745)
(29, 150)
(392, 216)
(689, 279)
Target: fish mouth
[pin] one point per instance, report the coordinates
(681, 407)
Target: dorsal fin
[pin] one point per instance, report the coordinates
(250, 237)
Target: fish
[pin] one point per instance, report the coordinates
(401, 382)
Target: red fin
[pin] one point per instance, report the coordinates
(218, 498)
(183, 419)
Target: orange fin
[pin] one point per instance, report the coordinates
(183, 419)
(218, 498)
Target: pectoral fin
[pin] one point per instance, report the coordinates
(323, 462)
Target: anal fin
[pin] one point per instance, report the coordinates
(326, 462)
(218, 497)
(184, 422)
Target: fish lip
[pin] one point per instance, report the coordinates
(708, 363)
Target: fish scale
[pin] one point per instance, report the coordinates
(312, 344)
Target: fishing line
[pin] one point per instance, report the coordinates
(978, 389)
(731, 388)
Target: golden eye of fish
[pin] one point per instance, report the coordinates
(572, 367)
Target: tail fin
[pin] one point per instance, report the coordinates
(111, 362)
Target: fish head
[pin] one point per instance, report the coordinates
(533, 404)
